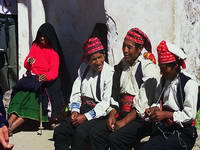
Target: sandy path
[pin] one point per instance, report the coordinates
(31, 141)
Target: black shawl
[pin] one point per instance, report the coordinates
(58, 90)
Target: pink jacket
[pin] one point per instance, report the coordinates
(46, 62)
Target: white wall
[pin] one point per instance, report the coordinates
(187, 33)
(154, 17)
(23, 34)
(30, 16)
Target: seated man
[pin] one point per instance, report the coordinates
(134, 83)
(175, 111)
(90, 98)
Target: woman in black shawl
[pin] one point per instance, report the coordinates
(59, 89)
(43, 62)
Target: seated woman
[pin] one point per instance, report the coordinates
(42, 62)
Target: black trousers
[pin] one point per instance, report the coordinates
(172, 139)
(123, 139)
(66, 135)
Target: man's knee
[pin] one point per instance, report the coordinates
(81, 133)
(58, 133)
(93, 133)
(62, 131)
(113, 138)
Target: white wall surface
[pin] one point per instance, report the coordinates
(30, 16)
(187, 33)
(154, 17)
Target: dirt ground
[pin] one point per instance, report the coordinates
(30, 140)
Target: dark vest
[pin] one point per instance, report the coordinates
(116, 79)
(181, 93)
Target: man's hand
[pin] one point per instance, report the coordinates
(111, 120)
(151, 110)
(119, 124)
(161, 115)
(42, 77)
(74, 115)
(4, 140)
(129, 117)
(31, 60)
(79, 119)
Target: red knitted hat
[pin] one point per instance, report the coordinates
(138, 36)
(91, 46)
(164, 55)
(168, 53)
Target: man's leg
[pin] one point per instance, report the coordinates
(154, 143)
(63, 134)
(127, 136)
(159, 143)
(175, 141)
(81, 136)
(99, 136)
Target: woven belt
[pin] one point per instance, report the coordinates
(126, 102)
(88, 101)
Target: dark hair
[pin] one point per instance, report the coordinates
(177, 64)
(138, 46)
(48, 31)
(89, 56)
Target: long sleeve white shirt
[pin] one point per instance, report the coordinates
(87, 87)
(190, 103)
(144, 95)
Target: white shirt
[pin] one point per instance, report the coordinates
(10, 9)
(190, 103)
(88, 88)
(128, 83)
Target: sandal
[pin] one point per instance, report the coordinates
(54, 125)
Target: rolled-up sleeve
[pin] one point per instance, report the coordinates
(190, 104)
(146, 95)
(75, 98)
(106, 90)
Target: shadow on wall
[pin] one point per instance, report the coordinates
(74, 21)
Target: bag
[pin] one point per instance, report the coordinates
(29, 83)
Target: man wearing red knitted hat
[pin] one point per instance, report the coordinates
(174, 112)
(90, 98)
(134, 83)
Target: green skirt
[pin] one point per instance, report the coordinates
(26, 105)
